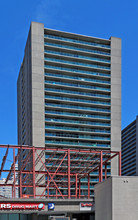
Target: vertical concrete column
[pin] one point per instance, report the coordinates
(115, 100)
(38, 115)
(37, 58)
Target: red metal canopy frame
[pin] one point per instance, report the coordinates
(54, 168)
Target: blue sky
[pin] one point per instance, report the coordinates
(101, 18)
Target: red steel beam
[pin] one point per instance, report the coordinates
(55, 149)
(63, 171)
(51, 175)
(110, 158)
(56, 161)
(101, 166)
(69, 173)
(40, 179)
(105, 171)
(79, 162)
(14, 172)
(88, 186)
(41, 172)
(41, 155)
(34, 188)
(79, 188)
(4, 160)
(11, 169)
(85, 174)
(56, 170)
(20, 185)
(76, 186)
(48, 187)
(90, 171)
(48, 160)
(99, 174)
(90, 164)
(26, 160)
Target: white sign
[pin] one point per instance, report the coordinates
(86, 206)
(23, 206)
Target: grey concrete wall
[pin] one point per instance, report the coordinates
(38, 116)
(125, 198)
(115, 100)
(37, 50)
(103, 200)
(32, 72)
(31, 93)
(117, 199)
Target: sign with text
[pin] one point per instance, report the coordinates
(22, 206)
(85, 206)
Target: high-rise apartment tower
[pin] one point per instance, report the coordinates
(130, 149)
(69, 92)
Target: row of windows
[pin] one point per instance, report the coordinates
(76, 100)
(124, 136)
(76, 41)
(129, 161)
(58, 156)
(59, 134)
(76, 158)
(128, 144)
(131, 172)
(76, 121)
(77, 70)
(77, 129)
(128, 129)
(130, 158)
(77, 85)
(77, 143)
(97, 95)
(76, 63)
(64, 166)
(77, 78)
(77, 114)
(77, 107)
(76, 56)
(131, 167)
(130, 152)
(129, 136)
(63, 46)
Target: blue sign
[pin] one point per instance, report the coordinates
(41, 205)
(51, 206)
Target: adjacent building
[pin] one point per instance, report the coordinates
(6, 191)
(130, 149)
(69, 93)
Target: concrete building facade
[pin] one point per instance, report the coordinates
(117, 199)
(130, 149)
(69, 92)
(6, 191)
